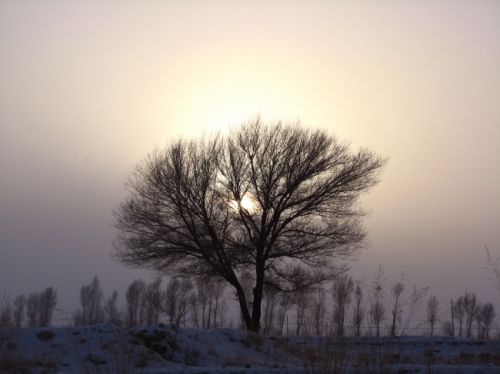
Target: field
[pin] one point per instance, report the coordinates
(106, 348)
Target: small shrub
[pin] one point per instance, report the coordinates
(158, 341)
(47, 364)
(45, 335)
(485, 358)
(465, 358)
(238, 360)
(192, 357)
(330, 357)
(253, 341)
(158, 348)
(13, 365)
(96, 360)
(141, 360)
(134, 341)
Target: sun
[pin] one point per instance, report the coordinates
(246, 202)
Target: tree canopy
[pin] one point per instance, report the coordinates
(277, 202)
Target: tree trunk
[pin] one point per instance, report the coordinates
(257, 301)
(243, 306)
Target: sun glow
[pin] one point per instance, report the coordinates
(246, 203)
(229, 95)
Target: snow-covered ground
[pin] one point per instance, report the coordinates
(106, 348)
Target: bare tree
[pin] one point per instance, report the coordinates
(396, 291)
(414, 302)
(246, 282)
(470, 308)
(152, 302)
(342, 290)
(301, 299)
(358, 315)
(32, 307)
(6, 319)
(271, 300)
(48, 302)
(19, 309)
(91, 298)
(283, 308)
(377, 314)
(458, 313)
(206, 304)
(279, 201)
(215, 289)
(111, 311)
(222, 308)
(202, 301)
(485, 317)
(176, 298)
(317, 309)
(39, 307)
(377, 309)
(194, 310)
(134, 299)
(186, 289)
(432, 312)
(171, 297)
(448, 328)
(493, 266)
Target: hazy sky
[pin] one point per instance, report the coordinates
(87, 89)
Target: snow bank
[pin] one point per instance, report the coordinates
(106, 348)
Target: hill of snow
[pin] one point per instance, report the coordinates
(106, 348)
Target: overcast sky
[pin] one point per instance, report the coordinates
(88, 88)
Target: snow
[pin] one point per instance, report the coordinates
(105, 348)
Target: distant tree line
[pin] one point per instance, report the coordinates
(468, 314)
(346, 307)
(180, 303)
(34, 310)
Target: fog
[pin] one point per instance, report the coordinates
(88, 89)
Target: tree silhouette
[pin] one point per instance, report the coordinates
(278, 201)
